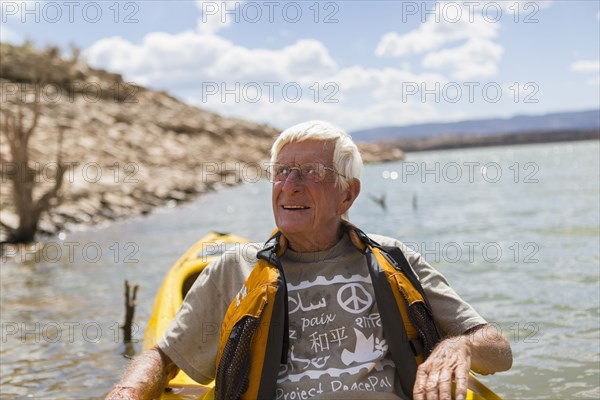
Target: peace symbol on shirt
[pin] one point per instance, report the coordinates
(354, 298)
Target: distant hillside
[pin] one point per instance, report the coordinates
(568, 121)
(446, 142)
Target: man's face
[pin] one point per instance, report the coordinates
(305, 211)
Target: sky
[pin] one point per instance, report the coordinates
(358, 64)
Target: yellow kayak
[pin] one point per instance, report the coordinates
(170, 296)
(168, 300)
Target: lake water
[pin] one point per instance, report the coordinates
(514, 229)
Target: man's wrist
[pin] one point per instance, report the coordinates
(461, 341)
(124, 392)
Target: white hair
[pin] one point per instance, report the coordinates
(346, 157)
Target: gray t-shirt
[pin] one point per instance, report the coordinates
(336, 339)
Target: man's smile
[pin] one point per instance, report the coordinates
(294, 207)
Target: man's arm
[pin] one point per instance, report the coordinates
(146, 376)
(483, 349)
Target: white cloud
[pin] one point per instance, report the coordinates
(394, 45)
(214, 15)
(432, 34)
(474, 54)
(385, 113)
(191, 63)
(525, 6)
(284, 114)
(588, 67)
(115, 53)
(383, 85)
(356, 98)
(455, 21)
(171, 60)
(477, 58)
(195, 62)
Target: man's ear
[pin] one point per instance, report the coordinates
(350, 194)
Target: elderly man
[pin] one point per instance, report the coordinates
(321, 310)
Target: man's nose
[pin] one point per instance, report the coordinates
(293, 182)
(296, 173)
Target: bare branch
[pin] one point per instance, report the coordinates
(130, 303)
(43, 203)
(36, 114)
(18, 133)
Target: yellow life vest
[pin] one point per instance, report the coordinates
(254, 335)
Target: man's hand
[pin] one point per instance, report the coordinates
(146, 377)
(482, 349)
(450, 360)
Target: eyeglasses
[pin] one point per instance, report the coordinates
(309, 172)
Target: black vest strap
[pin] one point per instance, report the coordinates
(279, 337)
(403, 350)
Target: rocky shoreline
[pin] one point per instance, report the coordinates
(126, 149)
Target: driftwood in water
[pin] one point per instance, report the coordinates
(130, 302)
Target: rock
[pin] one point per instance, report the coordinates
(176, 195)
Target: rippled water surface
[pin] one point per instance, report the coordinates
(514, 229)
